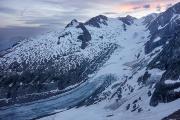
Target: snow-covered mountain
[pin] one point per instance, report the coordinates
(104, 69)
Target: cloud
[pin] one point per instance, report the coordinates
(136, 7)
(158, 8)
(51, 12)
(5, 10)
(146, 6)
(168, 6)
(55, 21)
(109, 13)
(140, 8)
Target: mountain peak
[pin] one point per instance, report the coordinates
(176, 8)
(74, 22)
(96, 21)
(127, 20)
(149, 18)
(130, 17)
(101, 17)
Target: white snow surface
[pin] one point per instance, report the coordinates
(98, 112)
(156, 39)
(172, 81)
(128, 61)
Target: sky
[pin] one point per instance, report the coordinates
(31, 17)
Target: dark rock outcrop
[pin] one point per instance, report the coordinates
(163, 26)
(85, 37)
(149, 18)
(128, 20)
(74, 21)
(169, 60)
(173, 116)
(97, 21)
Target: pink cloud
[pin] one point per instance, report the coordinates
(151, 5)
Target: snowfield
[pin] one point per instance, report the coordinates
(98, 112)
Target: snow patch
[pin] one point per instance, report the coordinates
(156, 39)
(172, 81)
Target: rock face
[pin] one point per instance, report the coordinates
(72, 23)
(96, 21)
(163, 27)
(85, 37)
(173, 116)
(150, 18)
(128, 20)
(168, 59)
(165, 34)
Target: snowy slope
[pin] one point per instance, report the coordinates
(98, 112)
